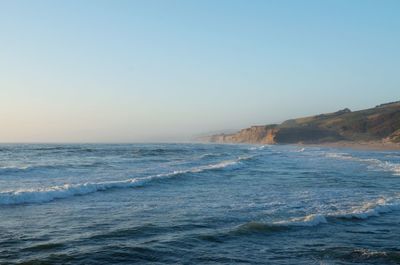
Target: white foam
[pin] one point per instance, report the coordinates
(27, 167)
(370, 209)
(258, 147)
(372, 162)
(15, 167)
(387, 166)
(343, 156)
(370, 253)
(68, 190)
(301, 150)
(58, 192)
(207, 155)
(309, 220)
(365, 211)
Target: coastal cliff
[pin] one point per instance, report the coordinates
(381, 123)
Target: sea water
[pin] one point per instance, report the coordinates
(198, 204)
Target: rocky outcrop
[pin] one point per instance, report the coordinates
(381, 122)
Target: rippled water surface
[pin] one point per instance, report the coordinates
(198, 204)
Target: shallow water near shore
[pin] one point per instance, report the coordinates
(198, 204)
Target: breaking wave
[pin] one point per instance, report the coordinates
(69, 190)
(309, 220)
(260, 227)
(257, 227)
(369, 209)
(31, 167)
(365, 211)
(372, 162)
(210, 155)
(259, 147)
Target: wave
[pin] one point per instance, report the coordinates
(369, 209)
(365, 211)
(141, 152)
(31, 167)
(257, 227)
(68, 190)
(258, 147)
(350, 255)
(45, 246)
(300, 150)
(372, 162)
(47, 149)
(309, 220)
(366, 256)
(373, 254)
(277, 226)
(93, 149)
(15, 167)
(210, 155)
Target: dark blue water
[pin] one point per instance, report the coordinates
(198, 204)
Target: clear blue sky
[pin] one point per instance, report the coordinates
(127, 71)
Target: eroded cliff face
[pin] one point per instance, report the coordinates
(252, 135)
(267, 135)
(379, 123)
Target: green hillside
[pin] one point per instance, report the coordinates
(379, 123)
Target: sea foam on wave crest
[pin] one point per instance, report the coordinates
(15, 168)
(309, 220)
(370, 209)
(59, 192)
(365, 211)
(69, 190)
(261, 227)
(372, 162)
(257, 147)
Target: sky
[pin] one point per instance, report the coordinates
(167, 70)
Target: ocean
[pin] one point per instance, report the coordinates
(198, 204)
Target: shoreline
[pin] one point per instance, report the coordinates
(370, 145)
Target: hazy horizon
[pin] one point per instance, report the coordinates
(165, 71)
